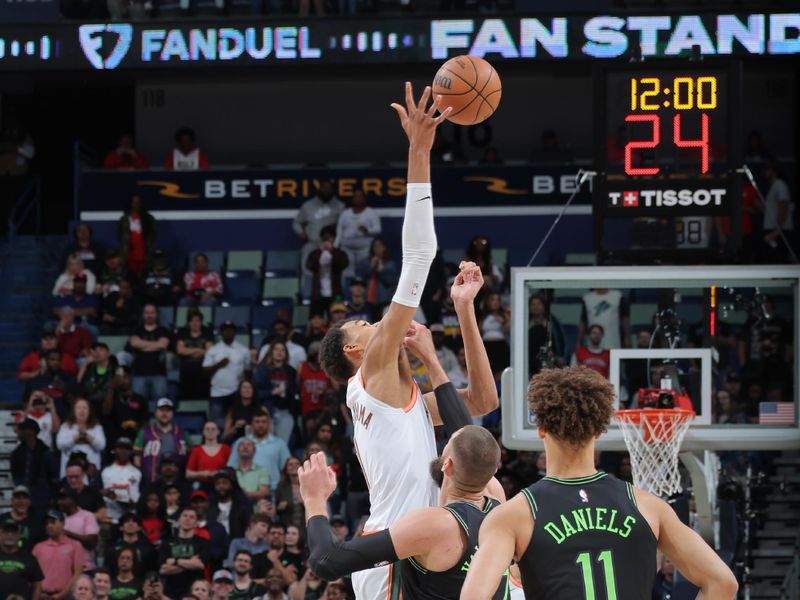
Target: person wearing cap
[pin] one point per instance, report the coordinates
(225, 505)
(357, 307)
(72, 267)
(159, 438)
(19, 570)
(33, 466)
(208, 528)
(112, 274)
(31, 529)
(61, 558)
(121, 481)
(203, 287)
(73, 339)
(33, 364)
(161, 285)
(338, 312)
(184, 556)
(120, 310)
(356, 228)
(149, 344)
(79, 524)
(86, 306)
(326, 264)
(170, 473)
(221, 585)
(132, 538)
(226, 363)
(54, 382)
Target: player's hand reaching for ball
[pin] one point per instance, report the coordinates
(468, 283)
(419, 120)
(317, 480)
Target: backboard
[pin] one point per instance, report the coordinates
(709, 326)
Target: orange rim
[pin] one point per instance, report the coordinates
(670, 418)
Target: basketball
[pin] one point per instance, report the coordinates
(471, 86)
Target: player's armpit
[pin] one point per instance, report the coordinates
(497, 545)
(695, 559)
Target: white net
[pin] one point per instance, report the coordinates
(653, 438)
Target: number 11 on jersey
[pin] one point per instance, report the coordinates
(584, 561)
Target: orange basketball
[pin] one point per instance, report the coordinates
(471, 86)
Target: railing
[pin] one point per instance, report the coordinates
(790, 587)
(29, 200)
(83, 157)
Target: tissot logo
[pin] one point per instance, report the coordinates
(667, 198)
(96, 38)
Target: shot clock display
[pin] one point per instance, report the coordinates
(667, 144)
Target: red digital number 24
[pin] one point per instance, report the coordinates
(655, 121)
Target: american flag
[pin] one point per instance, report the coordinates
(776, 413)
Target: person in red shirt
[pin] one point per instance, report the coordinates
(202, 286)
(33, 365)
(73, 339)
(593, 355)
(186, 156)
(209, 457)
(137, 236)
(125, 157)
(313, 384)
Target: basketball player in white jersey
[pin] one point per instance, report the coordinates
(393, 423)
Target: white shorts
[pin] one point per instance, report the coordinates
(376, 584)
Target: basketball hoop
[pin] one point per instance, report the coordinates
(653, 437)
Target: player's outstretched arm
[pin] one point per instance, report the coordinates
(695, 559)
(416, 534)
(419, 121)
(480, 395)
(499, 538)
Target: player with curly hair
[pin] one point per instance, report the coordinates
(579, 533)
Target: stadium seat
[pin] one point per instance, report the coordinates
(567, 314)
(263, 317)
(183, 311)
(580, 258)
(166, 316)
(245, 263)
(115, 343)
(243, 339)
(642, 314)
(242, 290)
(283, 260)
(500, 257)
(216, 259)
(240, 315)
(281, 287)
(300, 316)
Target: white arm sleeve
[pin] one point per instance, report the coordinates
(419, 244)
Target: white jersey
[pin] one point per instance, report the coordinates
(395, 447)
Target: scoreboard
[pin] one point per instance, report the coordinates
(667, 146)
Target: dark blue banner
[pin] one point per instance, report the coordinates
(482, 186)
(29, 11)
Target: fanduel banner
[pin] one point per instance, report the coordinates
(287, 189)
(148, 45)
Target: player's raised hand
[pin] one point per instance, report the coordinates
(419, 120)
(468, 283)
(317, 480)
(420, 341)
